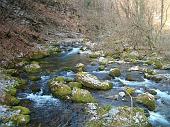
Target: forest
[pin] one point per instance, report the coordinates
(84, 63)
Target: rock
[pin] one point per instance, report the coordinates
(156, 78)
(134, 68)
(101, 67)
(130, 90)
(80, 67)
(92, 81)
(34, 78)
(58, 79)
(147, 100)
(127, 116)
(39, 54)
(75, 84)
(22, 110)
(94, 55)
(134, 76)
(115, 72)
(134, 55)
(32, 68)
(81, 96)
(152, 91)
(158, 65)
(11, 100)
(103, 61)
(54, 50)
(114, 97)
(59, 89)
(122, 94)
(120, 117)
(12, 91)
(21, 119)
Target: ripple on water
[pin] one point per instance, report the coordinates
(40, 100)
(156, 119)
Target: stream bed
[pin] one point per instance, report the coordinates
(47, 111)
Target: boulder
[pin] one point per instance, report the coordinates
(59, 89)
(115, 72)
(32, 68)
(81, 96)
(92, 81)
(75, 84)
(101, 67)
(147, 100)
(80, 67)
(39, 54)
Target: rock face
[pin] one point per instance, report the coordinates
(115, 72)
(32, 68)
(81, 96)
(92, 81)
(147, 100)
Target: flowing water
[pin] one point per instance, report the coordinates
(47, 111)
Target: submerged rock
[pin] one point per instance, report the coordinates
(32, 68)
(147, 100)
(81, 96)
(92, 81)
(115, 72)
(101, 67)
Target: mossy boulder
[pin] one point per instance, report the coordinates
(34, 78)
(115, 72)
(101, 67)
(81, 96)
(94, 55)
(23, 110)
(32, 68)
(147, 100)
(75, 84)
(80, 67)
(92, 81)
(39, 54)
(120, 117)
(127, 116)
(60, 79)
(21, 120)
(11, 100)
(60, 89)
(156, 77)
(158, 65)
(129, 90)
(54, 50)
(12, 91)
(103, 61)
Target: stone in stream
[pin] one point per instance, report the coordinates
(118, 117)
(75, 84)
(115, 72)
(80, 67)
(134, 76)
(59, 89)
(101, 67)
(81, 96)
(32, 68)
(129, 90)
(92, 81)
(147, 100)
(39, 54)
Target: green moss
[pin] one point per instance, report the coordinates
(34, 67)
(94, 55)
(101, 67)
(147, 100)
(59, 79)
(130, 90)
(75, 84)
(11, 100)
(95, 123)
(12, 91)
(34, 78)
(21, 119)
(23, 110)
(104, 110)
(59, 89)
(158, 65)
(115, 72)
(81, 96)
(39, 55)
(20, 83)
